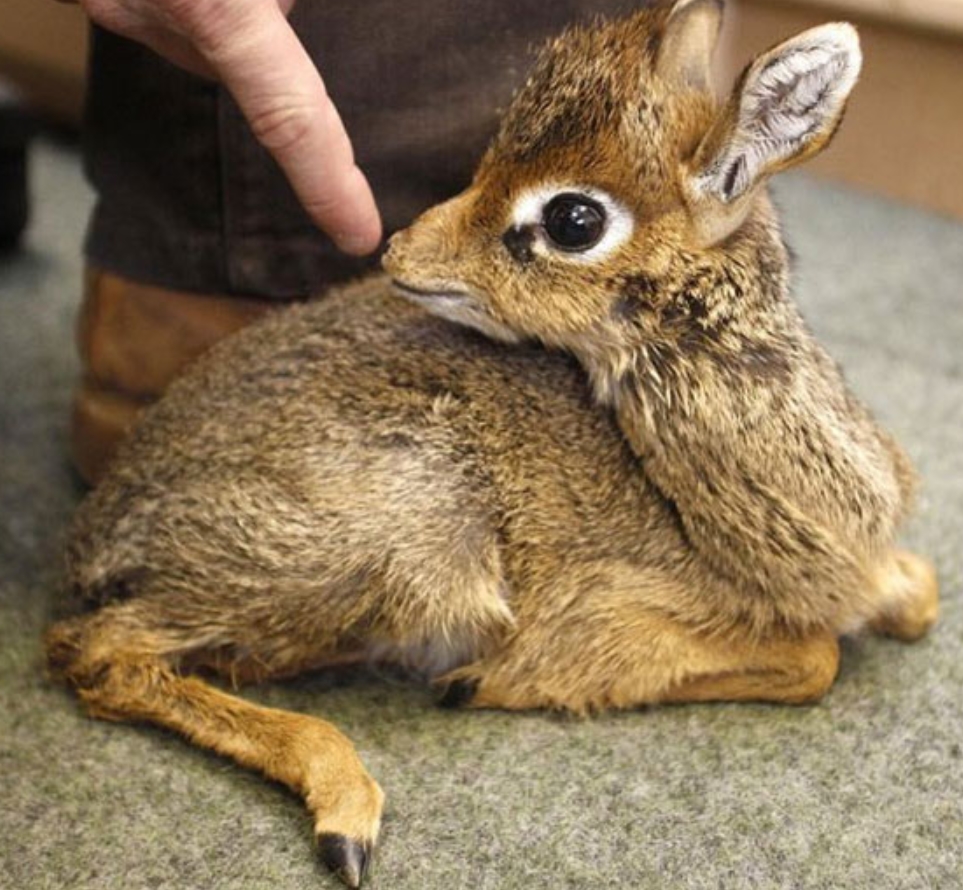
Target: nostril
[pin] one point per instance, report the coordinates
(392, 249)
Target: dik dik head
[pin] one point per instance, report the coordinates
(615, 164)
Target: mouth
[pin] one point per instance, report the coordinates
(457, 306)
(432, 297)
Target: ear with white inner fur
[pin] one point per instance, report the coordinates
(785, 108)
(688, 41)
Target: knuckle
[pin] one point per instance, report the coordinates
(281, 127)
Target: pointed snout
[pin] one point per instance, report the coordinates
(428, 253)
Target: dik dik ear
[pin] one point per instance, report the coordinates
(688, 41)
(784, 109)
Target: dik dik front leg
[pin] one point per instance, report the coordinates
(606, 650)
(123, 670)
(589, 652)
(789, 672)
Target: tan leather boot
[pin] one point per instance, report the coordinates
(133, 340)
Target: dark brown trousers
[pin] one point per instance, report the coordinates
(187, 199)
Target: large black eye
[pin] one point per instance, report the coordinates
(574, 222)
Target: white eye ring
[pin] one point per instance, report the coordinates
(529, 208)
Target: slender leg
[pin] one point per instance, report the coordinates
(784, 671)
(910, 602)
(121, 672)
(788, 672)
(612, 652)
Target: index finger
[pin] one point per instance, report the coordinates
(262, 63)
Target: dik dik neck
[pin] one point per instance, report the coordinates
(780, 481)
(782, 484)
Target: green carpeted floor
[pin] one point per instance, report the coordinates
(864, 790)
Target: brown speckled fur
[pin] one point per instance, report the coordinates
(678, 500)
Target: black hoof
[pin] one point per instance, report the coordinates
(458, 693)
(347, 858)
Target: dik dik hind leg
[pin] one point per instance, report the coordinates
(910, 599)
(123, 670)
(622, 658)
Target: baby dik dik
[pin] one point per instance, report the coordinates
(595, 459)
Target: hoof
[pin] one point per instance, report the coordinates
(347, 858)
(458, 693)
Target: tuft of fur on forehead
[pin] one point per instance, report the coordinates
(597, 85)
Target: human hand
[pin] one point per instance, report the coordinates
(249, 46)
